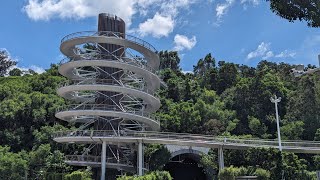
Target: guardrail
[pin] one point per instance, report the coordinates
(88, 158)
(190, 137)
(110, 34)
(105, 107)
(111, 82)
(127, 60)
(97, 159)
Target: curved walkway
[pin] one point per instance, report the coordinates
(69, 43)
(87, 136)
(67, 113)
(152, 80)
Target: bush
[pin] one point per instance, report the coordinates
(230, 173)
(262, 174)
(155, 175)
(78, 175)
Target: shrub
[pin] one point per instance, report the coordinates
(78, 175)
(262, 174)
(155, 175)
(229, 173)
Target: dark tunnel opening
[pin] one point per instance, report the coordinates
(185, 167)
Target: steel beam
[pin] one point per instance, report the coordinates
(221, 158)
(103, 160)
(140, 159)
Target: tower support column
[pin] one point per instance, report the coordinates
(103, 160)
(221, 158)
(140, 159)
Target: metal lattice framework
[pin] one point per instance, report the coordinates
(118, 90)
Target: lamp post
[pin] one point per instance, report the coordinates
(276, 100)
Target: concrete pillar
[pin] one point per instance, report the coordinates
(140, 159)
(221, 158)
(103, 160)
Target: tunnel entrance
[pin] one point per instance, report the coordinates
(185, 167)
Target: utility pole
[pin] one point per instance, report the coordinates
(276, 100)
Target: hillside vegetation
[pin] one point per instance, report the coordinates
(217, 98)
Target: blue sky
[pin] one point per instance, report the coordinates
(239, 31)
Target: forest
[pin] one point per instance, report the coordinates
(217, 98)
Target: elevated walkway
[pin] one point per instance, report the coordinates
(87, 136)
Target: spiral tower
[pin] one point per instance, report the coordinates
(111, 87)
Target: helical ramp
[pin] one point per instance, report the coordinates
(109, 90)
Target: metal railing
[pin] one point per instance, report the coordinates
(191, 137)
(105, 107)
(97, 159)
(110, 34)
(121, 59)
(104, 82)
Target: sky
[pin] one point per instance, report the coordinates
(238, 31)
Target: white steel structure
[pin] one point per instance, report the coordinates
(127, 92)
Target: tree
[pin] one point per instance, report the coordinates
(227, 76)
(317, 135)
(157, 156)
(257, 128)
(79, 175)
(209, 163)
(307, 10)
(169, 59)
(5, 62)
(292, 130)
(12, 165)
(15, 72)
(206, 72)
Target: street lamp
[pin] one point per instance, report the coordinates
(276, 100)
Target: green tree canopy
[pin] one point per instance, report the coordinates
(5, 62)
(307, 10)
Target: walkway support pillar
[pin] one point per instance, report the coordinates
(103, 160)
(140, 159)
(221, 158)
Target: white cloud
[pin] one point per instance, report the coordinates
(285, 54)
(164, 20)
(268, 55)
(78, 9)
(253, 2)
(37, 69)
(25, 70)
(158, 26)
(261, 51)
(185, 72)
(264, 51)
(221, 9)
(172, 7)
(166, 11)
(183, 42)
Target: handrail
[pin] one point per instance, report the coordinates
(103, 82)
(97, 159)
(121, 59)
(188, 137)
(110, 34)
(90, 158)
(105, 107)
